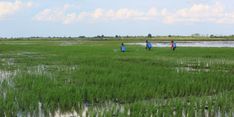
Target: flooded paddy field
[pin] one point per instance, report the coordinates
(219, 44)
(92, 78)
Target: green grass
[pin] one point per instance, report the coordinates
(67, 74)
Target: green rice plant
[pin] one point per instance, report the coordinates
(91, 73)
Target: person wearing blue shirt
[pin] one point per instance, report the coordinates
(174, 45)
(148, 45)
(123, 48)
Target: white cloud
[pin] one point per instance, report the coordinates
(7, 8)
(123, 14)
(57, 15)
(61, 15)
(199, 13)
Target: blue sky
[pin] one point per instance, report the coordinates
(24, 18)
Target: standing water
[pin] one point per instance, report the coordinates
(191, 44)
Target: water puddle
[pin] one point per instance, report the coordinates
(229, 44)
(68, 43)
(49, 70)
(43, 68)
(115, 109)
(7, 61)
(68, 114)
(27, 53)
(17, 43)
(6, 75)
(191, 69)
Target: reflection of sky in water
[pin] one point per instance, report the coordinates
(191, 44)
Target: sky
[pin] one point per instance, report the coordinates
(26, 18)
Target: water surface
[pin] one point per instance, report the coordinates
(229, 44)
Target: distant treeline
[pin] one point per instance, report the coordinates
(119, 37)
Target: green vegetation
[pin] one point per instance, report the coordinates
(67, 75)
(194, 37)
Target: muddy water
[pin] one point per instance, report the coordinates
(229, 44)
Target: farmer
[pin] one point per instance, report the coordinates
(123, 48)
(148, 45)
(173, 45)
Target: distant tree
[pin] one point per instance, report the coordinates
(169, 36)
(196, 35)
(81, 36)
(212, 36)
(149, 35)
(103, 36)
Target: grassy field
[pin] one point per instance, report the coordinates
(45, 76)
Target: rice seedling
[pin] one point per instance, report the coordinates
(90, 78)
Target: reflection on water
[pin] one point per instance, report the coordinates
(6, 75)
(191, 44)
